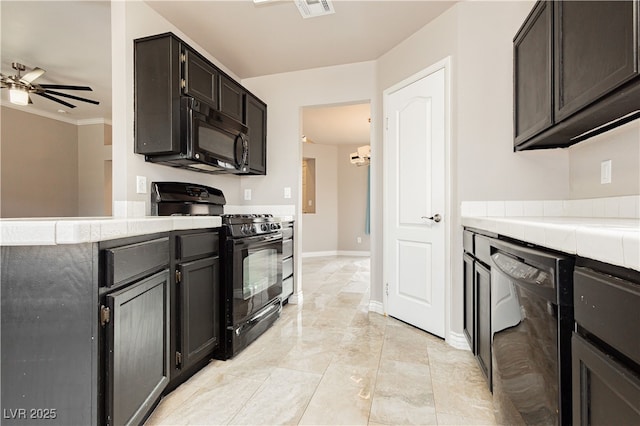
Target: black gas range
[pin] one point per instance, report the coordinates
(251, 260)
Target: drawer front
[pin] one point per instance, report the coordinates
(467, 241)
(127, 263)
(287, 268)
(192, 245)
(608, 307)
(287, 233)
(287, 248)
(482, 247)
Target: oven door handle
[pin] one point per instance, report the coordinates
(265, 312)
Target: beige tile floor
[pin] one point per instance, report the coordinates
(329, 361)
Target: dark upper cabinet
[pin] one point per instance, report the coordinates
(575, 71)
(158, 89)
(596, 47)
(201, 79)
(257, 124)
(232, 98)
(166, 69)
(533, 74)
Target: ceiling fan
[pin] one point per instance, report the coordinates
(20, 86)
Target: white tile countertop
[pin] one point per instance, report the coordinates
(611, 234)
(75, 230)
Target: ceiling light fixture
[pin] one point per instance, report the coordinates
(313, 8)
(18, 95)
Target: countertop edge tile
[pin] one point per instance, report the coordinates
(53, 231)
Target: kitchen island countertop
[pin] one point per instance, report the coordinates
(75, 230)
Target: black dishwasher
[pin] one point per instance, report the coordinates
(531, 324)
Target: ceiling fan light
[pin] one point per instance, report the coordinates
(18, 96)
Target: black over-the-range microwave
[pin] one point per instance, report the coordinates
(209, 141)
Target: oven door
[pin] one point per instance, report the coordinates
(257, 274)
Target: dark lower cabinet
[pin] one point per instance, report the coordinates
(483, 319)
(469, 302)
(199, 317)
(477, 299)
(196, 320)
(606, 345)
(137, 342)
(605, 391)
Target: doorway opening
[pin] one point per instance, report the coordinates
(335, 189)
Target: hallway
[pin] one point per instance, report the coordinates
(330, 361)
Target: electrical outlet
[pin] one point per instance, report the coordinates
(141, 184)
(359, 240)
(247, 194)
(287, 192)
(605, 172)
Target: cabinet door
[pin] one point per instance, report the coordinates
(604, 391)
(257, 124)
(483, 319)
(469, 303)
(198, 292)
(201, 79)
(596, 46)
(533, 74)
(137, 349)
(231, 98)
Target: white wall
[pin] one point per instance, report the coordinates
(622, 147)
(39, 165)
(352, 202)
(320, 229)
(131, 20)
(94, 155)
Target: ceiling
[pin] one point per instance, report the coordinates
(337, 125)
(71, 40)
(272, 37)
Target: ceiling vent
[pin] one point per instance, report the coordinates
(313, 8)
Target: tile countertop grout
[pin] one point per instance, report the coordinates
(611, 240)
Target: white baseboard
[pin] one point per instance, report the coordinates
(377, 307)
(458, 341)
(354, 253)
(296, 298)
(336, 253)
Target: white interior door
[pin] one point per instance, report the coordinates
(414, 170)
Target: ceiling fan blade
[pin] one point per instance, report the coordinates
(65, 87)
(31, 75)
(67, 104)
(77, 98)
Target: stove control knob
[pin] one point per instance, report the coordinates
(264, 227)
(253, 229)
(243, 229)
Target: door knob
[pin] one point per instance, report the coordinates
(436, 217)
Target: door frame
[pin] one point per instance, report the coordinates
(450, 215)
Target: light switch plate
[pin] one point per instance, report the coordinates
(141, 184)
(605, 172)
(287, 192)
(247, 194)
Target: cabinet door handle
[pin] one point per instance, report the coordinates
(436, 217)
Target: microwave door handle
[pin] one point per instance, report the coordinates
(241, 158)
